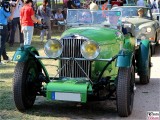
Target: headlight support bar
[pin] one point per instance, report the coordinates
(77, 59)
(109, 62)
(84, 71)
(61, 68)
(64, 58)
(79, 67)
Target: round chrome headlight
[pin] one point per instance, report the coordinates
(149, 29)
(90, 50)
(53, 48)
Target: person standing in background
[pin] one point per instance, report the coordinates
(59, 16)
(104, 6)
(34, 5)
(59, 19)
(65, 3)
(27, 18)
(71, 5)
(77, 3)
(44, 13)
(5, 14)
(64, 12)
(140, 3)
(15, 22)
(154, 6)
(159, 5)
(93, 6)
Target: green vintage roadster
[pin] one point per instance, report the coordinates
(145, 27)
(96, 62)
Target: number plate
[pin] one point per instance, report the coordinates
(66, 96)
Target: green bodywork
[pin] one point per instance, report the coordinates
(101, 35)
(112, 43)
(26, 52)
(22, 53)
(143, 57)
(69, 86)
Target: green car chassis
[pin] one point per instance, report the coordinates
(96, 63)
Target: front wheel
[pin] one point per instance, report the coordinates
(24, 86)
(125, 91)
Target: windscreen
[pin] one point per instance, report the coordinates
(88, 17)
(132, 11)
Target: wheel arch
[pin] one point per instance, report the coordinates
(142, 56)
(125, 59)
(22, 53)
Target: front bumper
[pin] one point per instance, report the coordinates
(68, 90)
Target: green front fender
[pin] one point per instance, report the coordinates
(22, 53)
(142, 57)
(124, 59)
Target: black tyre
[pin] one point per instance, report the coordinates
(24, 89)
(153, 49)
(125, 91)
(145, 78)
(157, 39)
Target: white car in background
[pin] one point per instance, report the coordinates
(146, 27)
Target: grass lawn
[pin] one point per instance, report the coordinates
(7, 107)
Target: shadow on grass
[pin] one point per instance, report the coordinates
(90, 110)
(73, 111)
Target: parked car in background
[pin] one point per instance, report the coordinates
(96, 62)
(145, 27)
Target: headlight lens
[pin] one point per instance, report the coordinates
(90, 50)
(149, 29)
(53, 48)
(146, 30)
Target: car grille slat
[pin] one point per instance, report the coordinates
(71, 49)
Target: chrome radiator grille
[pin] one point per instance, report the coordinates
(71, 49)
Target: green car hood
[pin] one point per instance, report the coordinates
(140, 21)
(98, 34)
